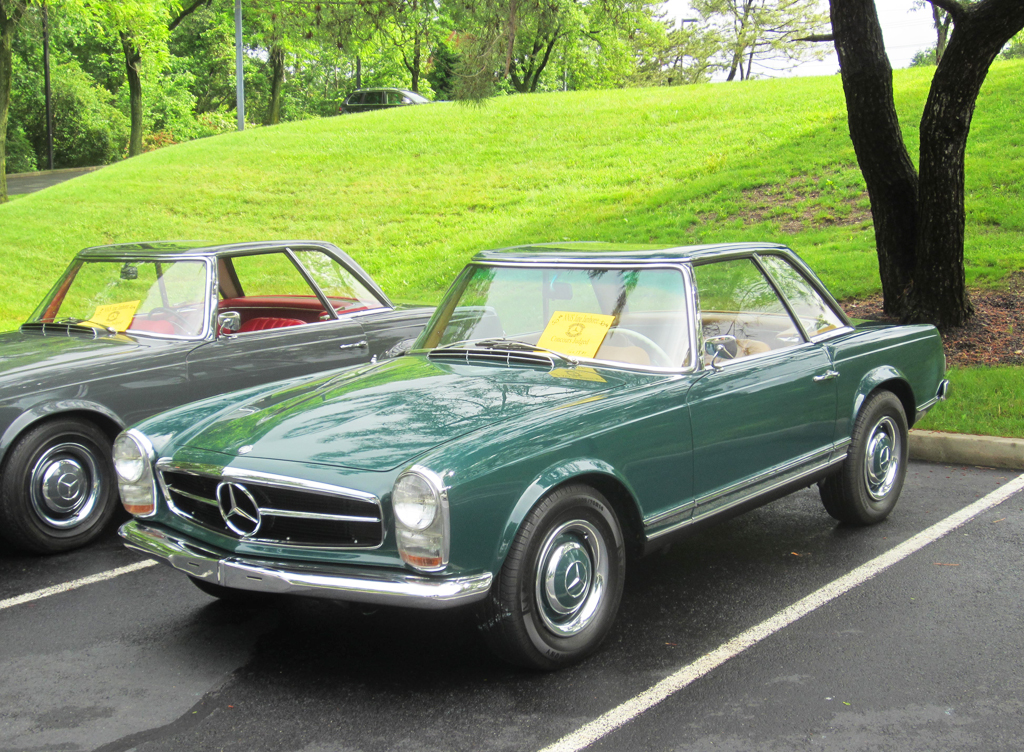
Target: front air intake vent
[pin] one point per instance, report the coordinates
(496, 357)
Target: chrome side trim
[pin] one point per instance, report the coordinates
(761, 484)
(347, 583)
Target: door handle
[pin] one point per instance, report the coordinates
(829, 374)
(354, 345)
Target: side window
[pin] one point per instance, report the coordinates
(372, 97)
(739, 305)
(396, 97)
(356, 98)
(264, 274)
(816, 316)
(346, 293)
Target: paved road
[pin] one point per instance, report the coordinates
(30, 182)
(927, 655)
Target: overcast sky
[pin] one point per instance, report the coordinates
(905, 29)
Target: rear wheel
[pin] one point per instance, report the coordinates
(868, 485)
(558, 592)
(58, 490)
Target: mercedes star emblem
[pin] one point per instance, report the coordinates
(239, 509)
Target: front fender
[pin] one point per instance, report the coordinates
(51, 409)
(553, 476)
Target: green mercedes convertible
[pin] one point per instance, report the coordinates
(567, 408)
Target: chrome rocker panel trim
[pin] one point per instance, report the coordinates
(340, 583)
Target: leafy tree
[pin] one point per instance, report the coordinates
(941, 20)
(684, 55)
(763, 30)
(514, 40)
(919, 218)
(88, 128)
(11, 12)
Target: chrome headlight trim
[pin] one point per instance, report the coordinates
(439, 528)
(143, 487)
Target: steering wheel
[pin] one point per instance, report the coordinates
(175, 318)
(658, 356)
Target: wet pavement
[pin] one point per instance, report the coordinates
(927, 655)
(30, 182)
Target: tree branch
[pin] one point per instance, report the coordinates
(952, 7)
(817, 38)
(186, 12)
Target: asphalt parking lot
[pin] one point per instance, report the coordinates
(926, 654)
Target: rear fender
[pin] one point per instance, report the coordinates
(894, 380)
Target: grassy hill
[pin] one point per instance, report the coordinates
(412, 193)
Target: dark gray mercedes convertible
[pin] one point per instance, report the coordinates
(131, 330)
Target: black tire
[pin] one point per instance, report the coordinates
(58, 490)
(535, 616)
(868, 484)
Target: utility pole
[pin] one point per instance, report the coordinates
(46, 79)
(239, 72)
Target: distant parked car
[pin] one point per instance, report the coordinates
(131, 330)
(565, 405)
(363, 100)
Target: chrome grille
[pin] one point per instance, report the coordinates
(292, 512)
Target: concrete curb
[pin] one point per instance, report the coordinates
(961, 449)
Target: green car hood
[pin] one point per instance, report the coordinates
(379, 417)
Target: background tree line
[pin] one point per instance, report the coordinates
(133, 75)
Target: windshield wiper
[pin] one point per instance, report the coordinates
(502, 343)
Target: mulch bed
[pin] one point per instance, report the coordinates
(993, 336)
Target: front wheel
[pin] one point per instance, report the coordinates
(868, 485)
(557, 594)
(58, 490)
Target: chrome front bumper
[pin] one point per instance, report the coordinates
(345, 583)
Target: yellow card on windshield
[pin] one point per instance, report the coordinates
(579, 334)
(117, 316)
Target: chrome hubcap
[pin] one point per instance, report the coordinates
(65, 485)
(882, 458)
(572, 572)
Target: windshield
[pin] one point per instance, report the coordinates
(626, 316)
(155, 298)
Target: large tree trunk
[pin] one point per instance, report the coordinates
(276, 84)
(939, 293)
(875, 131)
(10, 14)
(132, 57)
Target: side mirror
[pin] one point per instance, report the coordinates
(398, 349)
(229, 322)
(723, 345)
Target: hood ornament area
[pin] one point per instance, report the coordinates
(239, 509)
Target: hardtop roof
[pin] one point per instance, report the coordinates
(616, 252)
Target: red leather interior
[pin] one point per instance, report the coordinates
(266, 322)
(156, 326)
(295, 302)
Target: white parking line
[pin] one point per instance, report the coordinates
(646, 700)
(73, 584)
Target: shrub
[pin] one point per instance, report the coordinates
(21, 157)
(87, 129)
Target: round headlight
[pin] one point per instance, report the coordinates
(129, 459)
(414, 501)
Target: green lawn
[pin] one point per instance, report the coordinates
(412, 193)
